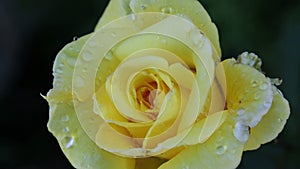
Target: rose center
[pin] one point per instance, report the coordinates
(149, 88)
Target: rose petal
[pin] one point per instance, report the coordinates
(63, 122)
(249, 94)
(192, 10)
(203, 129)
(148, 163)
(271, 124)
(221, 151)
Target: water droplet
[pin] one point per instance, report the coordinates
(113, 34)
(221, 149)
(264, 86)
(143, 6)
(254, 83)
(63, 56)
(92, 43)
(167, 10)
(132, 16)
(196, 37)
(71, 61)
(280, 120)
(58, 70)
(87, 56)
(75, 38)
(109, 56)
(276, 81)
(66, 129)
(163, 41)
(267, 104)
(65, 118)
(241, 111)
(68, 141)
(241, 132)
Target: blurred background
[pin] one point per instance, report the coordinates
(32, 32)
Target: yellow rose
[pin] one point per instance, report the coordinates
(147, 90)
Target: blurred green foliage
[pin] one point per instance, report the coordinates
(32, 32)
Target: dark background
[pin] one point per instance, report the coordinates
(32, 32)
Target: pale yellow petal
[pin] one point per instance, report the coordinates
(221, 151)
(271, 124)
(249, 95)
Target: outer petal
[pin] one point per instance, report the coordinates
(148, 163)
(271, 124)
(221, 151)
(63, 123)
(76, 145)
(249, 95)
(190, 9)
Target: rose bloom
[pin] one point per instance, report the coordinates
(147, 90)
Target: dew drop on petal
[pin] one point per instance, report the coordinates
(241, 132)
(87, 56)
(276, 81)
(196, 37)
(241, 111)
(65, 118)
(263, 86)
(58, 70)
(143, 7)
(109, 56)
(221, 149)
(113, 34)
(66, 129)
(163, 41)
(75, 38)
(254, 83)
(68, 141)
(92, 43)
(267, 103)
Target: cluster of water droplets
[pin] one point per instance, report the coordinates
(220, 146)
(67, 140)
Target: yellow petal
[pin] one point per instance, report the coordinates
(175, 107)
(203, 129)
(64, 64)
(76, 144)
(188, 9)
(271, 124)
(216, 100)
(104, 107)
(249, 94)
(118, 140)
(114, 10)
(148, 163)
(221, 151)
(120, 79)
